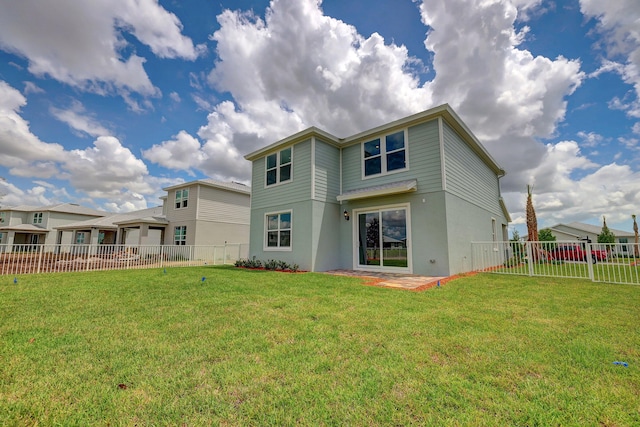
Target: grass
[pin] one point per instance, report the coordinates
(249, 347)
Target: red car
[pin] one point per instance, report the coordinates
(577, 253)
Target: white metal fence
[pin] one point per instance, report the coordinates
(28, 259)
(599, 262)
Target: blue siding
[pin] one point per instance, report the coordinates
(296, 190)
(423, 160)
(467, 176)
(327, 178)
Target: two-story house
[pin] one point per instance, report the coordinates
(409, 196)
(202, 212)
(208, 212)
(34, 225)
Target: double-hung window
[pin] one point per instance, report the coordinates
(278, 231)
(3, 216)
(385, 154)
(37, 218)
(180, 235)
(80, 235)
(182, 198)
(278, 166)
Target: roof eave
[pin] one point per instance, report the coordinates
(293, 139)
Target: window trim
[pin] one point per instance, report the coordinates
(183, 201)
(183, 235)
(265, 244)
(278, 168)
(383, 154)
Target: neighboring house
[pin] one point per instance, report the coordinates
(207, 212)
(409, 196)
(203, 212)
(34, 225)
(142, 227)
(582, 231)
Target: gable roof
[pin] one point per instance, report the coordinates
(591, 229)
(231, 186)
(112, 221)
(444, 111)
(60, 207)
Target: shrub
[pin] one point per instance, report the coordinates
(282, 265)
(271, 264)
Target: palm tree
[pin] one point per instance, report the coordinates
(532, 224)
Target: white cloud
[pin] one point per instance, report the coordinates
(106, 169)
(612, 190)
(175, 96)
(324, 73)
(14, 196)
(18, 146)
(31, 87)
(619, 22)
(81, 43)
(78, 119)
(182, 152)
(590, 139)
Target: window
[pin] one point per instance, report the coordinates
(384, 155)
(37, 218)
(182, 198)
(3, 216)
(278, 227)
(278, 166)
(80, 237)
(180, 235)
(382, 238)
(494, 234)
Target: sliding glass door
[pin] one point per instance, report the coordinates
(382, 238)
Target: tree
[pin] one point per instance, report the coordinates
(516, 246)
(532, 227)
(545, 235)
(635, 231)
(532, 222)
(606, 236)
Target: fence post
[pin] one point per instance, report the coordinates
(161, 255)
(529, 246)
(589, 261)
(39, 259)
(224, 254)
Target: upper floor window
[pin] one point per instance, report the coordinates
(278, 230)
(80, 235)
(37, 218)
(383, 155)
(279, 166)
(3, 216)
(182, 198)
(180, 235)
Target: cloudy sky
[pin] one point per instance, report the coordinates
(105, 102)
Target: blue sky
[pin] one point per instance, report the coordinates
(106, 103)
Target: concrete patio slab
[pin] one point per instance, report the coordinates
(412, 282)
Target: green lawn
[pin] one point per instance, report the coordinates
(244, 347)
